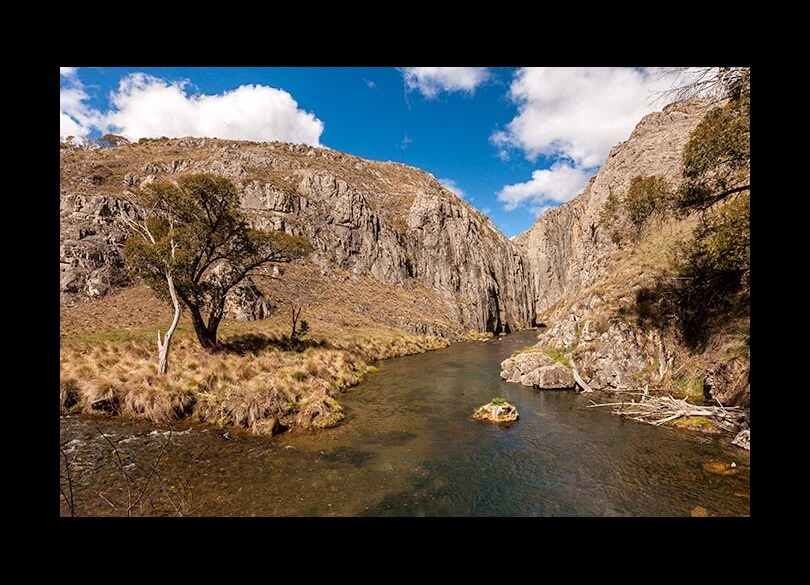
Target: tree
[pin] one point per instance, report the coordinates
(713, 265)
(194, 239)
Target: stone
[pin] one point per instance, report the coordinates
(497, 411)
(567, 248)
(743, 439)
(536, 368)
(555, 377)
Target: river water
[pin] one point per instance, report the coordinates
(409, 447)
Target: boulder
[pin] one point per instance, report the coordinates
(552, 377)
(535, 368)
(497, 411)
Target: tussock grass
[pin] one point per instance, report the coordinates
(258, 382)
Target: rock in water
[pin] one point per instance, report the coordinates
(497, 411)
(743, 439)
(536, 369)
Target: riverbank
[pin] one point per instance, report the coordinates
(409, 447)
(259, 381)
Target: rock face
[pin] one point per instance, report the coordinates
(567, 248)
(90, 262)
(538, 370)
(572, 259)
(728, 383)
(386, 220)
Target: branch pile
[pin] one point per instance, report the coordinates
(659, 410)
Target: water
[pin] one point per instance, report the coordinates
(409, 447)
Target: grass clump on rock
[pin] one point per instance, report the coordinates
(498, 410)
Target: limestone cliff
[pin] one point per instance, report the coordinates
(385, 220)
(567, 248)
(585, 283)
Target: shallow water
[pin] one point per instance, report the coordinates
(409, 447)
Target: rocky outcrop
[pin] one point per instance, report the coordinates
(91, 236)
(581, 285)
(538, 370)
(569, 248)
(245, 302)
(385, 220)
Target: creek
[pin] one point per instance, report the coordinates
(409, 447)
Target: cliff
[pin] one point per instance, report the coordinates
(383, 220)
(586, 283)
(568, 248)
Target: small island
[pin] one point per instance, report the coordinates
(497, 411)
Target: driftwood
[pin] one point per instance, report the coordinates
(580, 382)
(659, 410)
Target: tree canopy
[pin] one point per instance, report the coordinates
(193, 236)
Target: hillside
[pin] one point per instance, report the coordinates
(386, 221)
(590, 285)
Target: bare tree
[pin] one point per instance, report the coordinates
(714, 83)
(165, 255)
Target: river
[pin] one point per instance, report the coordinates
(409, 447)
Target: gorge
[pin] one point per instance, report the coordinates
(400, 265)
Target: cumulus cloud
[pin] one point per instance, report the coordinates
(452, 186)
(577, 112)
(547, 188)
(573, 116)
(431, 81)
(146, 106)
(76, 117)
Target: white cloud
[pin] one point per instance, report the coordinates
(451, 185)
(369, 84)
(76, 117)
(547, 188)
(147, 106)
(578, 113)
(430, 81)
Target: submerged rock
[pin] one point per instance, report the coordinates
(743, 439)
(497, 411)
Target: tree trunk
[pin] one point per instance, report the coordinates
(163, 348)
(205, 335)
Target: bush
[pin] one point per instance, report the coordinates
(646, 197)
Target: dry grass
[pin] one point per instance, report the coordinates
(108, 362)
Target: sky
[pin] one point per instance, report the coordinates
(513, 142)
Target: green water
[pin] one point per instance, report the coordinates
(409, 447)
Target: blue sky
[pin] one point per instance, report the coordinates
(511, 141)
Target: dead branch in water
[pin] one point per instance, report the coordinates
(659, 410)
